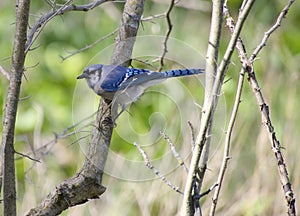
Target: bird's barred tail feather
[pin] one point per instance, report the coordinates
(182, 72)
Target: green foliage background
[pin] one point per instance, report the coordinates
(48, 100)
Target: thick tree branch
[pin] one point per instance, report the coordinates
(211, 70)
(65, 195)
(87, 183)
(11, 107)
(243, 55)
(125, 40)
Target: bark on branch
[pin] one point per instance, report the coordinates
(11, 106)
(201, 139)
(87, 183)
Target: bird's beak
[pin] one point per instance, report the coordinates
(82, 76)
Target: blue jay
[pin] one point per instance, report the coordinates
(125, 85)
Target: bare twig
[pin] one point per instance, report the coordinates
(226, 155)
(67, 132)
(173, 149)
(90, 45)
(4, 72)
(201, 138)
(192, 132)
(157, 16)
(67, 7)
(156, 171)
(170, 26)
(272, 29)
(209, 190)
(27, 156)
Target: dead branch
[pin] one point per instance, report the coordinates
(67, 7)
(156, 171)
(248, 67)
(174, 151)
(170, 26)
(268, 33)
(4, 72)
(201, 138)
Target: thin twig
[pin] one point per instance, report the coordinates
(45, 148)
(192, 134)
(41, 23)
(89, 46)
(170, 26)
(27, 156)
(271, 30)
(175, 153)
(156, 171)
(226, 155)
(4, 72)
(156, 16)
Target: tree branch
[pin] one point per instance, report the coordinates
(11, 107)
(4, 72)
(201, 138)
(170, 26)
(272, 29)
(242, 54)
(125, 40)
(156, 171)
(87, 183)
(89, 46)
(247, 64)
(42, 22)
(210, 73)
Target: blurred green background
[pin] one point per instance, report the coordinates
(53, 100)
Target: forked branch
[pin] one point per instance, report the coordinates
(186, 207)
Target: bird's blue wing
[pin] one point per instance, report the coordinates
(115, 78)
